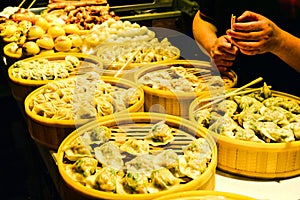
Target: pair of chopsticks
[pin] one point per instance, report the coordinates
(20, 5)
(232, 93)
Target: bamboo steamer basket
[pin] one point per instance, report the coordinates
(204, 195)
(111, 68)
(205, 181)
(20, 88)
(255, 160)
(174, 103)
(51, 132)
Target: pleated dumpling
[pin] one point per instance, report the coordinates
(97, 135)
(135, 146)
(106, 179)
(160, 134)
(163, 179)
(77, 150)
(109, 155)
(196, 157)
(135, 183)
(141, 164)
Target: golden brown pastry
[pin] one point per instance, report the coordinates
(46, 42)
(62, 43)
(76, 40)
(30, 48)
(55, 31)
(71, 29)
(35, 32)
(42, 22)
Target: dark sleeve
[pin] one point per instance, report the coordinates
(207, 10)
(218, 12)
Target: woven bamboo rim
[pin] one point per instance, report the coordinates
(205, 181)
(70, 123)
(276, 152)
(202, 194)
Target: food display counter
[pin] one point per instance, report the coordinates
(42, 100)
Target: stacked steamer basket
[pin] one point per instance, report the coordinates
(204, 195)
(57, 108)
(268, 147)
(170, 87)
(135, 172)
(28, 74)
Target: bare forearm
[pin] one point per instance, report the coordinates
(289, 50)
(204, 32)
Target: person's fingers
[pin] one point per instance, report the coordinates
(248, 26)
(224, 42)
(225, 63)
(223, 59)
(222, 55)
(249, 45)
(249, 16)
(233, 50)
(222, 68)
(251, 48)
(250, 53)
(248, 36)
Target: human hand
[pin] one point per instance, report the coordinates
(223, 53)
(254, 34)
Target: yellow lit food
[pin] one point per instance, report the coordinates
(62, 43)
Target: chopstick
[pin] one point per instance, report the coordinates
(19, 6)
(127, 62)
(31, 4)
(234, 92)
(247, 85)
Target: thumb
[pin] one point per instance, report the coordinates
(248, 16)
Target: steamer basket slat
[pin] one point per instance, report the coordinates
(257, 160)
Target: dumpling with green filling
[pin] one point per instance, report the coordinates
(199, 145)
(163, 179)
(135, 183)
(99, 134)
(106, 180)
(82, 169)
(193, 165)
(77, 150)
(160, 134)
